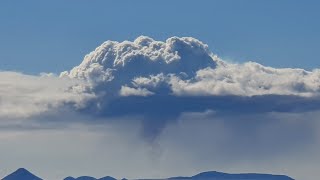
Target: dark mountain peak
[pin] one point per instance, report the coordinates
(22, 171)
(21, 174)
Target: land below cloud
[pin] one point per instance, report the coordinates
(24, 174)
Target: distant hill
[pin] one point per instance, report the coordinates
(21, 174)
(89, 178)
(213, 175)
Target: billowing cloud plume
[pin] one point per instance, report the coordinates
(158, 81)
(113, 66)
(184, 67)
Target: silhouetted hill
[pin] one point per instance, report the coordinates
(89, 178)
(213, 175)
(21, 174)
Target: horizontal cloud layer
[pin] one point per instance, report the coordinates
(22, 96)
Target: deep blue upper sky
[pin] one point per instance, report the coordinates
(52, 36)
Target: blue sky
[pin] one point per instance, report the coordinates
(52, 36)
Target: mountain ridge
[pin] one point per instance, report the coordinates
(23, 174)
(89, 178)
(215, 175)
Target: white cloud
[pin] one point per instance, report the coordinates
(116, 64)
(22, 96)
(128, 91)
(185, 67)
(248, 79)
